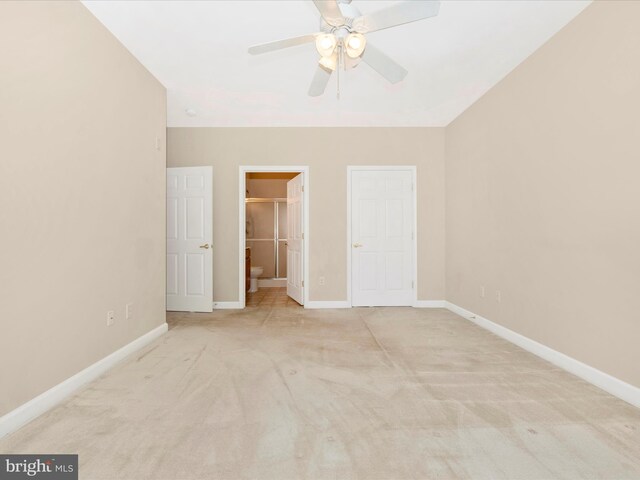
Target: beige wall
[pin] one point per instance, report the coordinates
(543, 195)
(81, 192)
(327, 151)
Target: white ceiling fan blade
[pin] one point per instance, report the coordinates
(330, 11)
(383, 64)
(401, 13)
(320, 81)
(279, 44)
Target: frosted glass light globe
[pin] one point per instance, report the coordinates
(326, 44)
(355, 44)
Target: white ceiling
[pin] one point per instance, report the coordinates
(198, 50)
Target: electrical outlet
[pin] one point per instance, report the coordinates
(482, 292)
(321, 281)
(498, 296)
(111, 318)
(129, 311)
(158, 144)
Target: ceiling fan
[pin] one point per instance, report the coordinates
(342, 42)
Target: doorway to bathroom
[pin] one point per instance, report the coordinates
(273, 207)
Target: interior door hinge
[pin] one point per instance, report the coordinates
(412, 285)
(303, 283)
(302, 188)
(302, 235)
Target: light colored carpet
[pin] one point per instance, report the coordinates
(378, 393)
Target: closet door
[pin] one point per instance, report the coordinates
(189, 239)
(382, 219)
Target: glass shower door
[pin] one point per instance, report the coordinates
(266, 233)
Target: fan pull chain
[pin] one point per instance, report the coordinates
(340, 59)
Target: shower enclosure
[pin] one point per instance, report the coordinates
(266, 235)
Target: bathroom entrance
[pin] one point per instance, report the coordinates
(273, 253)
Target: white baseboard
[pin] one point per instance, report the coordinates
(37, 406)
(429, 304)
(270, 282)
(328, 304)
(606, 382)
(346, 304)
(227, 305)
(317, 304)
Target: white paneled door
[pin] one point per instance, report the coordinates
(295, 237)
(382, 224)
(189, 236)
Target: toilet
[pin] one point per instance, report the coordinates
(255, 273)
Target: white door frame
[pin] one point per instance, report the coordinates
(242, 188)
(414, 270)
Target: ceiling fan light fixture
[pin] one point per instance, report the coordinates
(355, 44)
(341, 39)
(326, 44)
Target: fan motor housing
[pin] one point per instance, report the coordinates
(348, 11)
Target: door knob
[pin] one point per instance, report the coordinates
(205, 246)
(357, 245)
